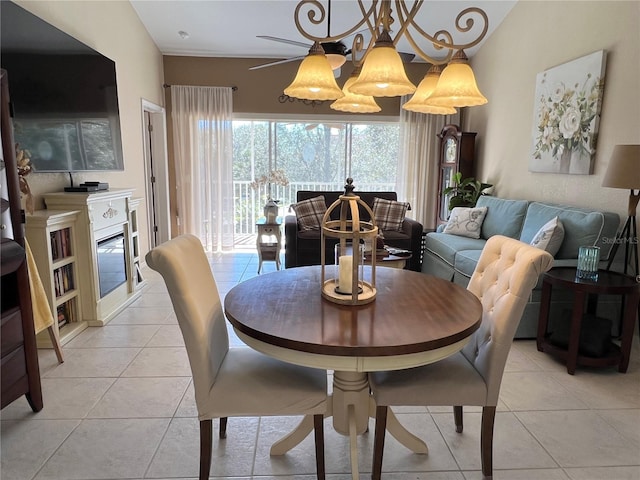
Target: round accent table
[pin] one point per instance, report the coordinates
(611, 283)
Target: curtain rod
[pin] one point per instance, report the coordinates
(234, 88)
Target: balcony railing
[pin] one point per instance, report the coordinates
(249, 202)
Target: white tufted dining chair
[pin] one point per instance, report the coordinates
(230, 382)
(503, 280)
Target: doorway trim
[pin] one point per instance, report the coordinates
(156, 170)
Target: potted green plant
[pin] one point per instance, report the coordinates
(465, 191)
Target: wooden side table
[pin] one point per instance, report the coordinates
(269, 241)
(608, 283)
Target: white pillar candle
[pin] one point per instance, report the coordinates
(345, 267)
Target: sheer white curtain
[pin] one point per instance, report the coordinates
(417, 180)
(203, 146)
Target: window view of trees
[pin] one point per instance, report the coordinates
(313, 156)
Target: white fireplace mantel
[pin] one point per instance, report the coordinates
(101, 215)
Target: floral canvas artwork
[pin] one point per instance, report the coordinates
(566, 115)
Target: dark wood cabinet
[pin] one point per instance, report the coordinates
(456, 154)
(20, 373)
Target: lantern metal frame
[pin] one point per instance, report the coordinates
(349, 228)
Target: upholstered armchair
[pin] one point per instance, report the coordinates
(503, 279)
(230, 382)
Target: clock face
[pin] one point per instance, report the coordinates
(450, 151)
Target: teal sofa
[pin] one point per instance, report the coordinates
(454, 257)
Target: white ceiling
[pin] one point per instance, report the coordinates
(228, 28)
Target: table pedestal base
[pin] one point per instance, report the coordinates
(351, 406)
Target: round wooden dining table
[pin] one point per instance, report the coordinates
(415, 319)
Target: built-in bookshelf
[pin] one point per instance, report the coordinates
(52, 237)
(136, 273)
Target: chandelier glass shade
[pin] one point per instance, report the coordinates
(419, 102)
(383, 73)
(457, 85)
(314, 80)
(336, 60)
(353, 102)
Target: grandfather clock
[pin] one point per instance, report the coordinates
(456, 154)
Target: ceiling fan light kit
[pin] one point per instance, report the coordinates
(383, 73)
(352, 102)
(314, 80)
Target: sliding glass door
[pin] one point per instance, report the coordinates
(277, 158)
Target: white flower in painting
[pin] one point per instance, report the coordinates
(557, 93)
(566, 119)
(570, 122)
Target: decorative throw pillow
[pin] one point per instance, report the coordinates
(466, 221)
(550, 236)
(389, 214)
(310, 212)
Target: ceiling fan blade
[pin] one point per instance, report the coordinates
(284, 40)
(407, 57)
(271, 64)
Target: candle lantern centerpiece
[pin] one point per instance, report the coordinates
(349, 282)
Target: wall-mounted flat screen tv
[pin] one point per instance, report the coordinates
(63, 93)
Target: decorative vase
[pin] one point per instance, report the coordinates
(271, 210)
(565, 161)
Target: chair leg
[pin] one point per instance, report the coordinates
(223, 427)
(318, 428)
(457, 417)
(378, 442)
(206, 431)
(486, 440)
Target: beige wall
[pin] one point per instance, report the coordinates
(258, 90)
(534, 37)
(113, 29)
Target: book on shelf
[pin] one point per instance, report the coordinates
(62, 315)
(60, 244)
(55, 253)
(63, 242)
(63, 279)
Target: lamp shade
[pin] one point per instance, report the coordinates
(335, 60)
(383, 73)
(457, 85)
(314, 80)
(420, 100)
(624, 168)
(352, 102)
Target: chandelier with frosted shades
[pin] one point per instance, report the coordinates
(380, 72)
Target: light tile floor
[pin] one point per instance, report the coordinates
(122, 407)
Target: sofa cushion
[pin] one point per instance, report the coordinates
(504, 217)
(550, 236)
(465, 221)
(310, 212)
(446, 246)
(466, 261)
(581, 226)
(389, 214)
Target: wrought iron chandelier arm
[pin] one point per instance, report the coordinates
(316, 9)
(443, 39)
(425, 56)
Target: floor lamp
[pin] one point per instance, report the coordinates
(624, 172)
